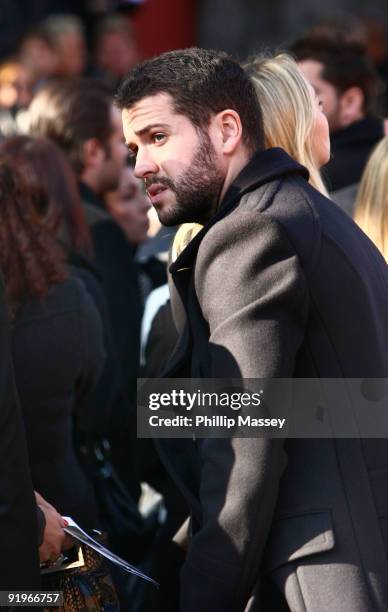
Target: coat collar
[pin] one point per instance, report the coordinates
(367, 130)
(264, 167)
(89, 196)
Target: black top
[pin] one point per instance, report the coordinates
(19, 562)
(58, 353)
(108, 406)
(114, 259)
(350, 150)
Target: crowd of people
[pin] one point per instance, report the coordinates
(255, 172)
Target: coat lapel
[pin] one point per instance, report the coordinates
(264, 167)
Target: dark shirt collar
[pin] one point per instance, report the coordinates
(89, 196)
(369, 129)
(264, 167)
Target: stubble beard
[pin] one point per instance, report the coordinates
(197, 191)
(111, 173)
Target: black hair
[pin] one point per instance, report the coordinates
(345, 64)
(201, 83)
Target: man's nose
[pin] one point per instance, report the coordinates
(145, 166)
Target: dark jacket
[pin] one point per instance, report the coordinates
(58, 354)
(108, 406)
(350, 150)
(281, 283)
(19, 562)
(114, 258)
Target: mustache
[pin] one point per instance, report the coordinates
(162, 180)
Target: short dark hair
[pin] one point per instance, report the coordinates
(345, 64)
(70, 112)
(201, 83)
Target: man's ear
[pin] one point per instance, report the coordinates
(351, 106)
(92, 153)
(229, 129)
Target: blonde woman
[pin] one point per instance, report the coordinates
(292, 119)
(292, 115)
(371, 211)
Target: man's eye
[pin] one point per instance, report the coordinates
(159, 137)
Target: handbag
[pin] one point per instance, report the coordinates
(88, 587)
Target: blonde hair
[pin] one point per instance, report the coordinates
(288, 120)
(288, 110)
(371, 208)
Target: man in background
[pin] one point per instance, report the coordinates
(80, 117)
(347, 86)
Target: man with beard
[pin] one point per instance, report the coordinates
(273, 285)
(347, 85)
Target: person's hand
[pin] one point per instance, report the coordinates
(54, 538)
(40, 501)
